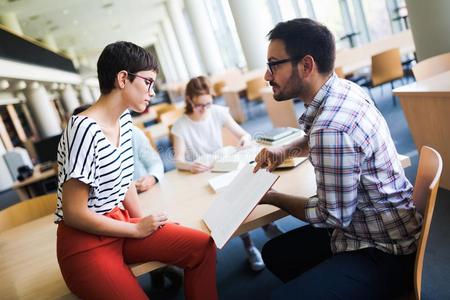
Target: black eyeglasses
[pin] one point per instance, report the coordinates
(201, 106)
(271, 65)
(148, 81)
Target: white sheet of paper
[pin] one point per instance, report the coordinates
(234, 204)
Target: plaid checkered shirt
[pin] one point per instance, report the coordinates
(362, 191)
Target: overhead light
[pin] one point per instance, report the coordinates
(65, 11)
(4, 84)
(20, 85)
(75, 22)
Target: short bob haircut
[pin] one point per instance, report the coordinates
(307, 37)
(122, 56)
(197, 86)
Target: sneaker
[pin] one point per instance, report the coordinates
(272, 230)
(255, 260)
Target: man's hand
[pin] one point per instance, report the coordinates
(145, 183)
(150, 224)
(269, 159)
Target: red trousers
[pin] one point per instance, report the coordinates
(95, 267)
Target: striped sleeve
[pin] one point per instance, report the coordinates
(336, 163)
(80, 163)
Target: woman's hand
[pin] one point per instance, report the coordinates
(150, 224)
(199, 168)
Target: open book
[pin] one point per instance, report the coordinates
(236, 202)
(228, 158)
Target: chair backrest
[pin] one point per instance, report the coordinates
(27, 210)
(282, 114)
(424, 196)
(386, 66)
(170, 117)
(339, 72)
(218, 86)
(253, 88)
(432, 66)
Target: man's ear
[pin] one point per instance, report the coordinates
(121, 79)
(306, 65)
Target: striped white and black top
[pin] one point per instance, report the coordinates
(84, 153)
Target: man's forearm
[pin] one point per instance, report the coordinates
(297, 148)
(293, 205)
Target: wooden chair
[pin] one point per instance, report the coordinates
(339, 72)
(432, 66)
(27, 210)
(386, 68)
(253, 88)
(218, 86)
(424, 197)
(282, 114)
(170, 117)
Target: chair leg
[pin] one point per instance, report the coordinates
(393, 96)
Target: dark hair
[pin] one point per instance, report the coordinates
(307, 37)
(121, 56)
(197, 86)
(80, 109)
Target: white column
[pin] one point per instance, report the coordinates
(11, 22)
(85, 94)
(165, 64)
(430, 26)
(252, 24)
(95, 91)
(44, 113)
(187, 50)
(177, 57)
(69, 99)
(209, 50)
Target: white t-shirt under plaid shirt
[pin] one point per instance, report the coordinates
(362, 191)
(84, 153)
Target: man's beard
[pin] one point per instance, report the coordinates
(292, 89)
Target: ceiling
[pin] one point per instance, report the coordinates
(87, 26)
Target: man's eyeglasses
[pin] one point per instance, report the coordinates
(201, 106)
(272, 65)
(148, 81)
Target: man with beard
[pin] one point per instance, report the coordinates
(360, 241)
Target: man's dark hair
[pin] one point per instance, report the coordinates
(307, 37)
(120, 56)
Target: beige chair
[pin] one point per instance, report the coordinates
(432, 66)
(282, 114)
(424, 196)
(339, 72)
(217, 88)
(253, 91)
(386, 68)
(27, 211)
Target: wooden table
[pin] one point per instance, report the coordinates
(25, 188)
(28, 265)
(426, 105)
(354, 59)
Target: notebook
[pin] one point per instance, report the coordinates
(277, 133)
(236, 202)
